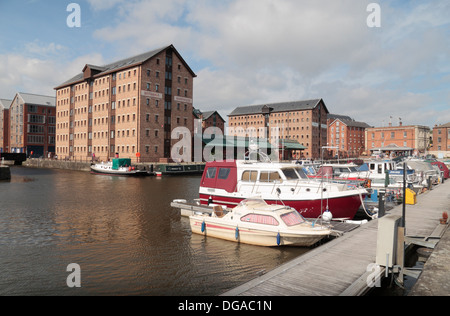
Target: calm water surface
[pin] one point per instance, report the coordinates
(123, 234)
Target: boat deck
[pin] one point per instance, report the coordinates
(340, 267)
(188, 209)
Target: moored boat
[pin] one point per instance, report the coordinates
(255, 222)
(228, 183)
(118, 167)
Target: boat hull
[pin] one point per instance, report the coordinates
(253, 236)
(132, 173)
(344, 207)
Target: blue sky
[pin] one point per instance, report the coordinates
(249, 51)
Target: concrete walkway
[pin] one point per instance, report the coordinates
(435, 277)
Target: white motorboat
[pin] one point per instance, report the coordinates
(228, 183)
(117, 167)
(255, 222)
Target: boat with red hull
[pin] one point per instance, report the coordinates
(228, 183)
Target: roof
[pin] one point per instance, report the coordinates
(5, 103)
(291, 144)
(36, 99)
(208, 114)
(352, 123)
(338, 116)
(278, 107)
(392, 147)
(443, 126)
(124, 64)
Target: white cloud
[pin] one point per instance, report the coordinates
(37, 70)
(99, 5)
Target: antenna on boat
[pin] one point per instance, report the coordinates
(253, 148)
(278, 193)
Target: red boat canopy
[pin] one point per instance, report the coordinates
(220, 175)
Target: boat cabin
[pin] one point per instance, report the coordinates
(227, 175)
(378, 167)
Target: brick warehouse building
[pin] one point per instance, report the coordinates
(129, 107)
(32, 125)
(346, 134)
(302, 121)
(398, 140)
(4, 125)
(441, 141)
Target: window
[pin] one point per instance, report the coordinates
(260, 219)
(290, 174)
(269, 176)
(224, 173)
(292, 218)
(211, 173)
(249, 176)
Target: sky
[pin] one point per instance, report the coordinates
(248, 52)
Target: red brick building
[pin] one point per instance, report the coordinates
(4, 125)
(398, 140)
(129, 107)
(441, 141)
(304, 122)
(32, 125)
(210, 119)
(346, 134)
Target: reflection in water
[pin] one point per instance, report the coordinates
(123, 234)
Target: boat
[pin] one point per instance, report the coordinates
(227, 183)
(445, 173)
(427, 174)
(342, 173)
(118, 167)
(254, 222)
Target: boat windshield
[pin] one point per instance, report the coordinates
(294, 173)
(292, 218)
(253, 202)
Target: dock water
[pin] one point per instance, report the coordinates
(343, 266)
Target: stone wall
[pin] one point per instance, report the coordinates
(57, 164)
(5, 173)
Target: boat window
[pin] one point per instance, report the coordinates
(260, 219)
(372, 166)
(290, 174)
(269, 176)
(292, 218)
(224, 173)
(211, 173)
(302, 172)
(353, 169)
(249, 176)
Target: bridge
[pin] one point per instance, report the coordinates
(17, 158)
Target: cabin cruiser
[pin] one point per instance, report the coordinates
(117, 167)
(255, 222)
(342, 173)
(228, 183)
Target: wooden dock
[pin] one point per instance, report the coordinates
(341, 267)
